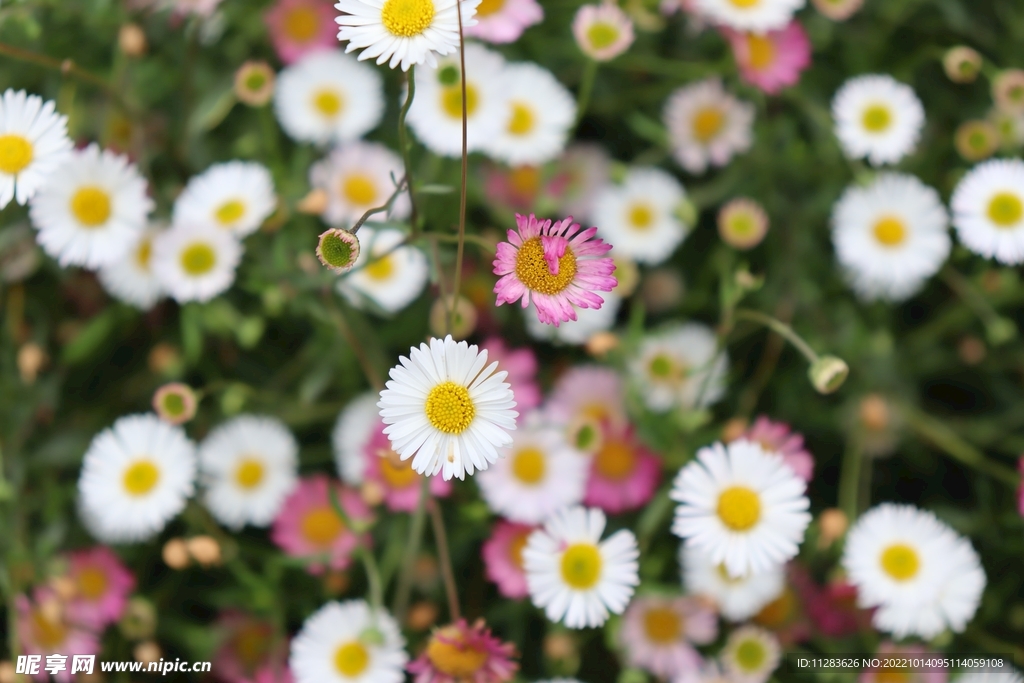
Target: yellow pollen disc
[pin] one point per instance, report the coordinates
(15, 154)
(532, 270)
(900, 562)
(708, 123)
(453, 656)
(450, 408)
(397, 474)
(602, 35)
(141, 477)
(322, 525)
(515, 549)
(641, 216)
(489, 7)
(890, 231)
(750, 655)
(255, 81)
(92, 583)
(47, 634)
(229, 212)
(380, 269)
(523, 120)
(877, 118)
(739, 508)
(451, 101)
(745, 4)
(581, 566)
(662, 625)
(529, 465)
(407, 18)
(615, 460)
(741, 225)
(761, 51)
(359, 189)
(144, 253)
(249, 473)
(328, 103)
(91, 206)
(1006, 210)
(351, 659)
(300, 24)
(198, 259)
(525, 180)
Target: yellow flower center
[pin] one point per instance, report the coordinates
(143, 253)
(92, 583)
(522, 119)
(761, 51)
(515, 548)
(15, 154)
(532, 270)
(450, 408)
(602, 35)
(662, 625)
(778, 611)
(141, 477)
(229, 212)
(407, 18)
(249, 473)
(739, 508)
(380, 269)
(396, 473)
(745, 4)
(489, 7)
(741, 225)
(328, 102)
(255, 80)
(900, 561)
(453, 656)
(359, 189)
(641, 216)
(751, 655)
(322, 525)
(877, 118)
(529, 465)
(708, 123)
(451, 100)
(524, 180)
(173, 404)
(300, 24)
(351, 659)
(665, 368)
(47, 634)
(890, 231)
(91, 206)
(581, 566)
(615, 460)
(1005, 209)
(198, 259)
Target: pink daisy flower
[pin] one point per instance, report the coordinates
(460, 653)
(560, 265)
(503, 21)
(102, 585)
(503, 558)
(775, 437)
(774, 60)
(298, 27)
(43, 629)
(624, 474)
(659, 633)
(587, 399)
(890, 650)
(248, 644)
(521, 365)
(401, 484)
(309, 527)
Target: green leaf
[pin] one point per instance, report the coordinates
(91, 337)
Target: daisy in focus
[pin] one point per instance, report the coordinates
(357, 176)
(751, 654)
(404, 32)
(641, 216)
(890, 236)
(574, 576)
(757, 16)
(102, 585)
(602, 32)
(738, 599)
(877, 118)
(447, 409)
(658, 634)
(136, 476)
(387, 276)
(195, 263)
(33, 144)
(624, 474)
(774, 60)
(236, 196)
(707, 126)
(131, 278)
(744, 507)
(503, 21)
(776, 437)
(298, 27)
(464, 653)
(503, 558)
(328, 97)
(91, 210)
(988, 210)
(560, 265)
(680, 366)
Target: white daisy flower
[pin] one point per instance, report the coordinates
(640, 216)
(737, 598)
(248, 466)
(877, 118)
(573, 575)
(386, 274)
(131, 278)
(589, 321)
(195, 263)
(890, 236)
(353, 431)
(91, 209)
(447, 409)
(680, 366)
(751, 654)
(436, 112)
(539, 113)
(536, 476)
(920, 574)
(743, 506)
(236, 196)
(136, 477)
(988, 210)
(707, 126)
(757, 16)
(357, 176)
(405, 32)
(328, 97)
(348, 642)
(33, 144)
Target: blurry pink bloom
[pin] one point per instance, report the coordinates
(521, 366)
(102, 585)
(590, 392)
(658, 634)
(503, 558)
(309, 527)
(776, 437)
(460, 653)
(274, 674)
(43, 629)
(887, 650)
(503, 21)
(400, 482)
(832, 609)
(624, 474)
(785, 615)
(602, 32)
(298, 27)
(248, 645)
(561, 265)
(774, 60)
(517, 188)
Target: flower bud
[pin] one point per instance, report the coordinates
(314, 203)
(601, 343)
(976, 140)
(8, 672)
(132, 40)
(175, 403)
(734, 429)
(372, 492)
(164, 359)
(338, 250)
(559, 646)
(175, 554)
(962, 64)
(828, 373)
(874, 413)
(832, 524)
(147, 652)
(204, 549)
(463, 318)
(742, 223)
(31, 359)
(422, 616)
(139, 620)
(254, 83)
(1008, 91)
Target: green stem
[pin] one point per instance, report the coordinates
(386, 206)
(586, 89)
(66, 67)
(461, 246)
(373, 578)
(403, 142)
(441, 538)
(850, 478)
(974, 300)
(780, 328)
(412, 549)
(335, 315)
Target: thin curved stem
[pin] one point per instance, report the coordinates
(66, 67)
(780, 328)
(447, 575)
(401, 602)
(460, 248)
(586, 90)
(403, 142)
(386, 206)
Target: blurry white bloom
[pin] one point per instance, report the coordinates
(387, 274)
(357, 176)
(737, 599)
(757, 16)
(131, 278)
(877, 118)
(680, 366)
(640, 217)
(988, 210)
(195, 263)
(352, 433)
(236, 196)
(707, 126)
(33, 144)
